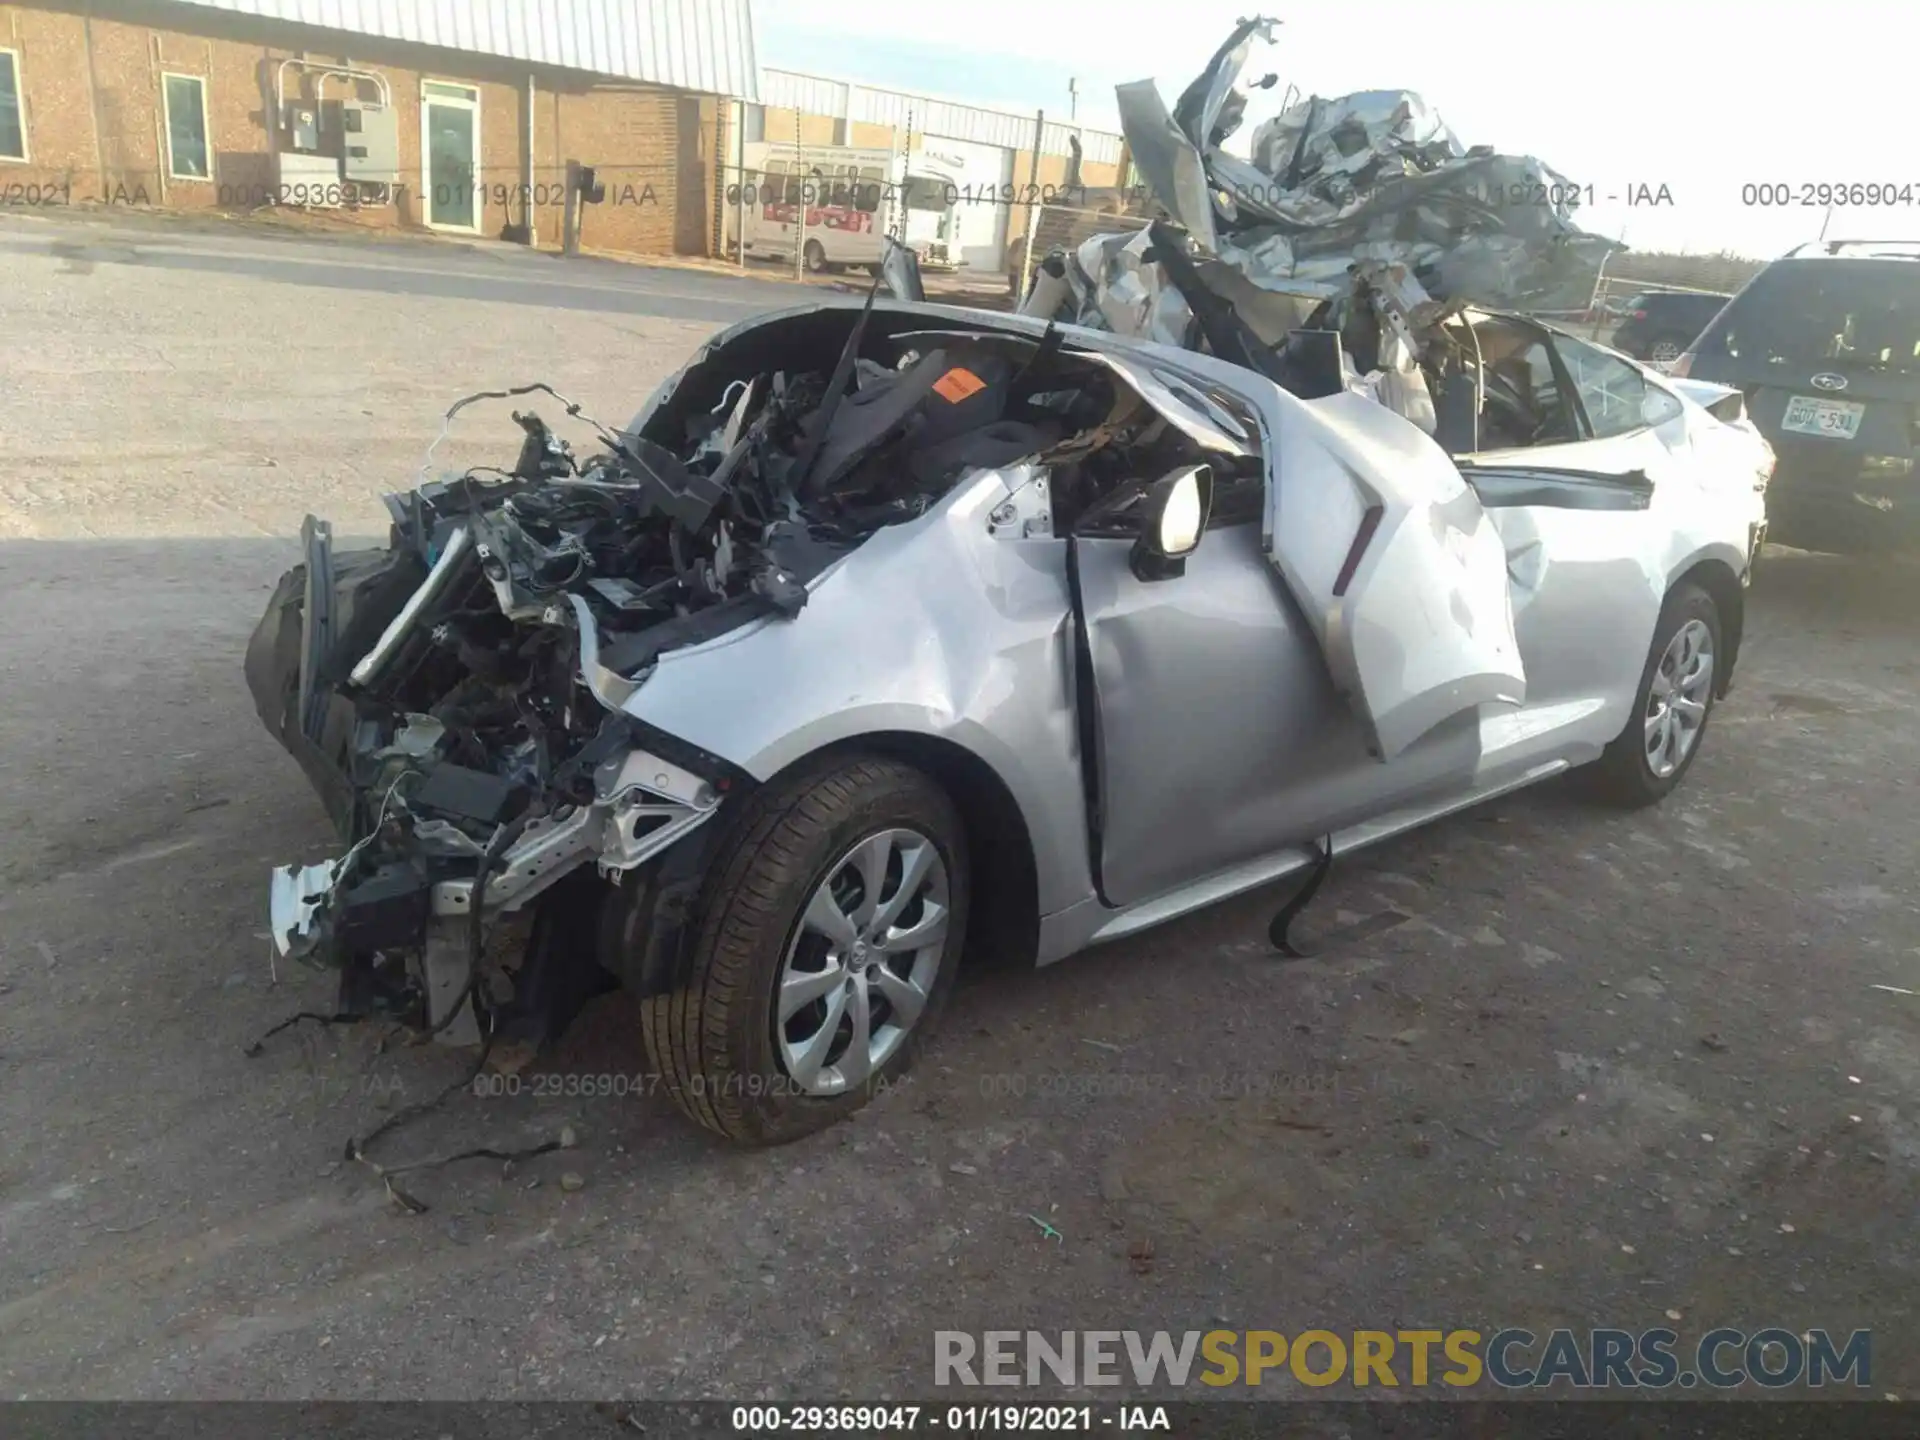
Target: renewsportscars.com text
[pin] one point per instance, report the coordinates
(1511, 1359)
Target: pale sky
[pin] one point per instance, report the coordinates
(1702, 96)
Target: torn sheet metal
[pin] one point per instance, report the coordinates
(294, 896)
(1496, 230)
(1328, 153)
(1373, 176)
(900, 271)
(1402, 311)
(1363, 215)
(1115, 287)
(1210, 109)
(1169, 162)
(1206, 424)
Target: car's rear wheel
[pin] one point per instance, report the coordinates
(816, 257)
(1665, 350)
(832, 926)
(1671, 708)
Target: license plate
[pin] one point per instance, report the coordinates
(1810, 415)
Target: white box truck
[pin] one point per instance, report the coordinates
(848, 198)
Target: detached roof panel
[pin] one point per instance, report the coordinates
(691, 44)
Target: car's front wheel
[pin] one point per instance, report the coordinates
(1672, 706)
(832, 925)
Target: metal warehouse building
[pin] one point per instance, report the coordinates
(451, 115)
(990, 154)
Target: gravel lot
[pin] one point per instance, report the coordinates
(1606, 1068)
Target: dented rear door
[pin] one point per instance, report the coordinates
(1401, 574)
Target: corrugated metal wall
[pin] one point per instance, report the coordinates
(849, 99)
(692, 44)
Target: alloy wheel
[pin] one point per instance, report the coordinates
(861, 965)
(1678, 697)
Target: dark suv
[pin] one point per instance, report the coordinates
(1825, 343)
(1659, 325)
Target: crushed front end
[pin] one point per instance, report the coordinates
(446, 696)
(455, 698)
(458, 696)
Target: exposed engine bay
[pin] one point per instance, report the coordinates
(456, 696)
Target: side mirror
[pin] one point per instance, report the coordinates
(1173, 517)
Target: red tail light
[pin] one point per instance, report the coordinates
(1639, 314)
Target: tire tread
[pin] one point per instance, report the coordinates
(693, 1032)
(1620, 777)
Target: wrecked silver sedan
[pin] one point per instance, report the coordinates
(888, 634)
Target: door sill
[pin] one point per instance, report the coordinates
(1252, 874)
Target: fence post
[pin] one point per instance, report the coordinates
(800, 219)
(1033, 189)
(530, 174)
(1028, 267)
(1602, 293)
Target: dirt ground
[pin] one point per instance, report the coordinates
(1605, 1068)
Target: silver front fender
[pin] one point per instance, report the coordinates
(936, 628)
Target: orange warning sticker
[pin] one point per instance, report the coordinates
(957, 384)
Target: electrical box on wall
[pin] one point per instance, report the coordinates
(312, 180)
(370, 144)
(302, 123)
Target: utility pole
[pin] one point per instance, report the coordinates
(1826, 221)
(1073, 98)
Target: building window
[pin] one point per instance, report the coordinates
(189, 157)
(13, 113)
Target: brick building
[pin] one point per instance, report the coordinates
(455, 117)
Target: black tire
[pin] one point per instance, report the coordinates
(1623, 775)
(1677, 343)
(816, 257)
(712, 1039)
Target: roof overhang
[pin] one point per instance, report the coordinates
(705, 45)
